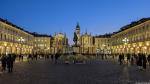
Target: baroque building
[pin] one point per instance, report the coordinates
(77, 31)
(42, 43)
(132, 38)
(59, 43)
(102, 43)
(87, 45)
(14, 39)
(85, 41)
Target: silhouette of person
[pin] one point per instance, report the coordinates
(144, 60)
(10, 60)
(148, 59)
(3, 61)
(57, 55)
(140, 61)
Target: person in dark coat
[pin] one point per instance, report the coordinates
(57, 55)
(139, 63)
(132, 59)
(128, 58)
(29, 56)
(14, 56)
(148, 59)
(20, 57)
(136, 57)
(121, 57)
(10, 61)
(144, 61)
(3, 61)
(52, 57)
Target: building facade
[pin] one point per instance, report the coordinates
(59, 43)
(42, 44)
(102, 44)
(77, 31)
(14, 39)
(133, 38)
(87, 45)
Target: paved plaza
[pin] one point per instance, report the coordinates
(97, 72)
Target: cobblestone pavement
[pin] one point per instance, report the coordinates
(98, 72)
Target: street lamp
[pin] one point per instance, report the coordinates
(48, 50)
(5, 44)
(0, 50)
(125, 41)
(104, 46)
(11, 48)
(21, 40)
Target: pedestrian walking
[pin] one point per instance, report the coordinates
(136, 57)
(148, 59)
(132, 59)
(128, 58)
(52, 57)
(57, 55)
(139, 63)
(10, 62)
(144, 61)
(14, 56)
(121, 58)
(3, 61)
(22, 57)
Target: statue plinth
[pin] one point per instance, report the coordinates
(76, 49)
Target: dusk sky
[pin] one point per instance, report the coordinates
(95, 16)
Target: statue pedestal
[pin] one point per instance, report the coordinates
(76, 50)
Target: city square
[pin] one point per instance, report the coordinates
(75, 42)
(41, 71)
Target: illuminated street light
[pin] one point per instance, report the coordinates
(5, 44)
(125, 41)
(21, 40)
(104, 46)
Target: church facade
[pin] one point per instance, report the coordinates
(59, 43)
(88, 44)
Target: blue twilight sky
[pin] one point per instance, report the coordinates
(95, 16)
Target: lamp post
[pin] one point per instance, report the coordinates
(125, 41)
(5, 44)
(16, 49)
(0, 50)
(104, 46)
(11, 48)
(21, 40)
(48, 50)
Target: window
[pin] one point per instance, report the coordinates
(0, 36)
(5, 37)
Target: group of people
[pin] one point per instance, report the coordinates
(139, 59)
(55, 57)
(7, 62)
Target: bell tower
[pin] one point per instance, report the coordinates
(78, 33)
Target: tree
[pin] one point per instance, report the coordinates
(75, 39)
